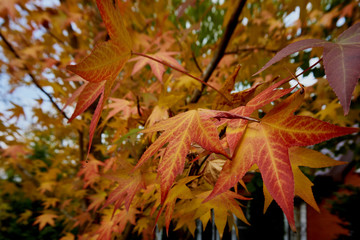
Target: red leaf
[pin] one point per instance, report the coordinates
(341, 61)
(111, 14)
(157, 68)
(180, 132)
(266, 144)
(104, 63)
(88, 95)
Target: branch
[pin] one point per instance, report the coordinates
(247, 49)
(34, 80)
(220, 51)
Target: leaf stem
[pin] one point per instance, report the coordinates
(182, 71)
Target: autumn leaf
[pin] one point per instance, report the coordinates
(179, 191)
(308, 158)
(115, 223)
(24, 217)
(266, 144)
(341, 61)
(128, 186)
(96, 200)
(111, 14)
(157, 68)
(180, 131)
(224, 206)
(103, 65)
(121, 105)
(90, 92)
(90, 171)
(236, 127)
(46, 218)
(17, 111)
(68, 236)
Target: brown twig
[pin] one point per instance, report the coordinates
(196, 62)
(247, 49)
(220, 50)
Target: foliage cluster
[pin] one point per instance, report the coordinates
(170, 109)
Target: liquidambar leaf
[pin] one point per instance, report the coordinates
(104, 63)
(179, 132)
(236, 127)
(111, 14)
(158, 69)
(341, 61)
(266, 144)
(308, 158)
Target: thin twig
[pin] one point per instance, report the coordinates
(220, 50)
(246, 49)
(34, 80)
(182, 71)
(196, 62)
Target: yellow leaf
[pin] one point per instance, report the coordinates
(44, 219)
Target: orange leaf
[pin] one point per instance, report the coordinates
(96, 200)
(121, 105)
(90, 170)
(180, 131)
(308, 158)
(112, 17)
(157, 68)
(104, 63)
(266, 144)
(46, 218)
(88, 95)
(224, 206)
(128, 186)
(179, 191)
(236, 127)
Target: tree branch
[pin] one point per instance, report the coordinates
(220, 51)
(247, 49)
(34, 80)
(37, 84)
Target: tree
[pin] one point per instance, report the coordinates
(170, 109)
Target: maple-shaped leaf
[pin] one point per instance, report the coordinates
(157, 68)
(179, 132)
(235, 125)
(121, 105)
(90, 171)
(104, 63)
(17, 111)
(96, 200)
(128, 186)
(224, 206)
(46, 218)
(179, 191)
(74, 95)
(307, 158)
(266, 144)
(111, 12)
(115, 223)
(341, 61)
